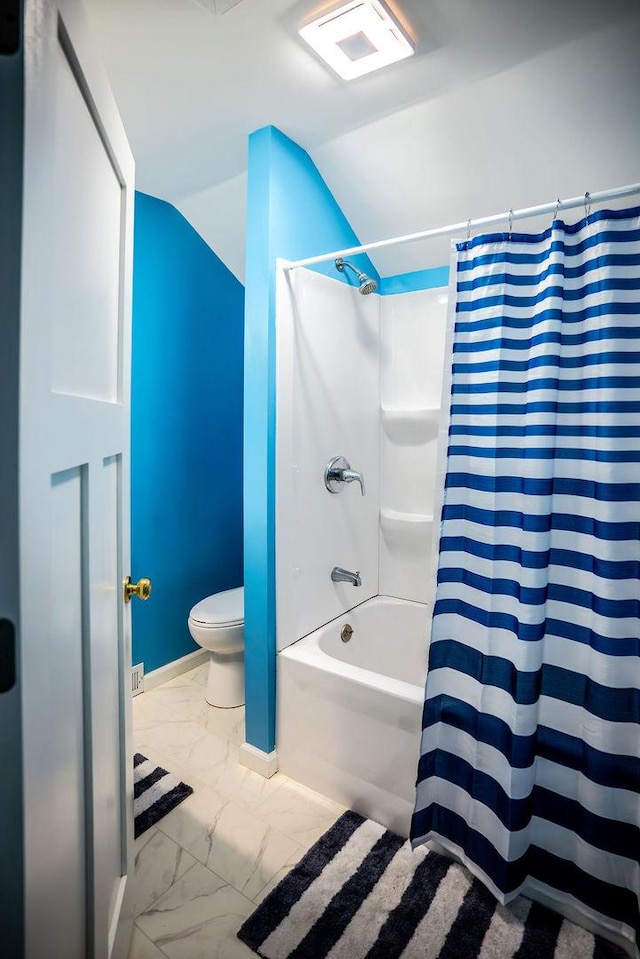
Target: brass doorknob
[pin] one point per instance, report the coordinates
(141, 589)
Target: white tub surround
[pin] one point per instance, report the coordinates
(412, 335)
(349, 714)
(361, 377)
(328, 347)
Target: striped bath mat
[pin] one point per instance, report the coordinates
(361, 892)
(155, 793)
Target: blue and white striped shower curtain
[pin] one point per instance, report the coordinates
(530, 758)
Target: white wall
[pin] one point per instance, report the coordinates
(327, 405)
(412, 361)
(555, 124)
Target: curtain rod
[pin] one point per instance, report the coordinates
(468, 225)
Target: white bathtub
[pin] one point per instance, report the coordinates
(349, 714)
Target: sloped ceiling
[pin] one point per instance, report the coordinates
(507, 103)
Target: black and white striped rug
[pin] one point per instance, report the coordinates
(361, 893)
(155, 793)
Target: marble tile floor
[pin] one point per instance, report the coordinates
(203, 868)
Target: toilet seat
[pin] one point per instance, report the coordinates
(221, 609)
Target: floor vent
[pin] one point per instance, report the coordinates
(137, 679)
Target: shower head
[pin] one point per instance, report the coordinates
(367, 285)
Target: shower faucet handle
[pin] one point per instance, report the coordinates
(338, 470)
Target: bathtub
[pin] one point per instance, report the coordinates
(349, 713)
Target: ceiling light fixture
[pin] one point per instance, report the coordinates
(357, 37)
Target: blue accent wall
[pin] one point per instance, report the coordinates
(186, 434)
(418, 280)
(291, 213)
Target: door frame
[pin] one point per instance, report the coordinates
(11, 824)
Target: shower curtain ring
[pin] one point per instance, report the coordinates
(510, 222)
(587, 203)
(468, 229)
(555, 212)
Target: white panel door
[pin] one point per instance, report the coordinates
(74, 493)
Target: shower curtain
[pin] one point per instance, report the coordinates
(530, 757)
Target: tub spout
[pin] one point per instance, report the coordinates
(340, 575)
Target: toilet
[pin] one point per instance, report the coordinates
(217, 624)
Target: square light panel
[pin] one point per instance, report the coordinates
(357, 38)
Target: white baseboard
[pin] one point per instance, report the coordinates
(260, 762)
(164, 673)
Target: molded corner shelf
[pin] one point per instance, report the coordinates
(405, 525)
(419, 423)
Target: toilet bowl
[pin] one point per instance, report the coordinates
(217, 624)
